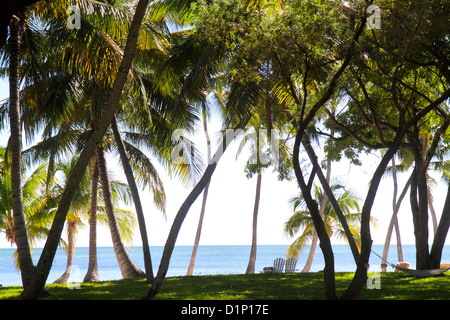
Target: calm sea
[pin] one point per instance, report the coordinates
(210, 260)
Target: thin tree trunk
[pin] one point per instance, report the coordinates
(190, 271)
(399, 241)
(71, 226)
(441, 233)
(432, 211)
(394, 221)
(136, 199)
(92, 272)
(20, 232)
(181, 215)
(127, 267)
(315, 238)
(325, 243)
(252, 261)
(312, 250)
(46, 260)
(313, 158)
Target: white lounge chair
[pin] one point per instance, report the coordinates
(290, 265)
(278, 265)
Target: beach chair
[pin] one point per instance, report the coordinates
(290, 265)
(278, 265)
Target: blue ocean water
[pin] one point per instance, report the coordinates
(210, 260)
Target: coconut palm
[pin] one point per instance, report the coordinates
(38, 204)
(17, 26)
(81, 204)
(44, 264)
(301, 220)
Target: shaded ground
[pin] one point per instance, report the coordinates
(303, 286)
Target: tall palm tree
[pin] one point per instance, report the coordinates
(301, 219)
(81, 204)
(17, 26)
(43, 267)
(259, 160)
(205, 196)
(127, 267)
(92, 271)
(36, 202)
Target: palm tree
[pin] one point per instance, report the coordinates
(17, 26)
(81, 204)
(92, 272)
(301, 219)
(38, 203)
(205, 196)
(255, 165)
(43, 267)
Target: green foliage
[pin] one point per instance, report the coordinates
(301, 220)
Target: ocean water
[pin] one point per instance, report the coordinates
(210, 260)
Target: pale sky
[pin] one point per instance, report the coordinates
(228, 218)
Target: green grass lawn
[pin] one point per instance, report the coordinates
(303, 286)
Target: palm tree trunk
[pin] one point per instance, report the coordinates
(127, 267)
(432, 211)
(136, 199)
(92, 272)
(251, 263)
(46, 260)
(20, 232)
(190, 271)
(441, 233)
(181, 215)
(394, 221)
(399, 241)
(71, 226)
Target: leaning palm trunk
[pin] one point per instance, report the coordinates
(20, 232)
(127, 267)
(136, 199)
(71, 227)
(394, 221)
(190, 271)
(181, 215)
(92, 272)
(45, 262)
(252, 261)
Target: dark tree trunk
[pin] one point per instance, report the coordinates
(127, 267)
(313, 158)
(360, 278)
(181, 215)
(136, 199)
(325, 243)
(20, 232)
(441, 234)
